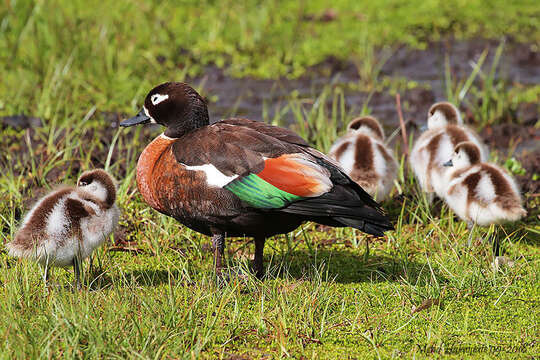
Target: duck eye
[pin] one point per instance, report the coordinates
(157, 98)
(82, 183)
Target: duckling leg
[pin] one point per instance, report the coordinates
(430, 197)
(218, 242)
(470, 227)
(258, 261)
(496, 243)
(77, 272)
(46, 270)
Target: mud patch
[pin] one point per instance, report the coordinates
(531, 163)
(506, 136)
(20, 121)
(246, 97)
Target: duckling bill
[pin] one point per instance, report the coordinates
(239, 177)
(64, 227)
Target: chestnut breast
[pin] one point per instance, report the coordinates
(170, 188)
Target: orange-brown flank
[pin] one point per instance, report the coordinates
(145, 169)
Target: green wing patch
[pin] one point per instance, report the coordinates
(260, 193)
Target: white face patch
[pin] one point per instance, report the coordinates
(461, 160)
(157, 98)
(96, 189)
(214, 177)
(437, 120)
(152, 120)
(163, 136)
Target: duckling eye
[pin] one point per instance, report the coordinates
(85, 183)
(157, 98)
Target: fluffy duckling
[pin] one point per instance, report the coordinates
(361, 152)
(64, 227)
(435, 146)
(480, 193)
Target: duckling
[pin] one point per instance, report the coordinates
(363, 155)
(435, 146)
(65, 226)
(478, 192)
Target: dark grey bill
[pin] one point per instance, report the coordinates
(140, 118)
(448, 163)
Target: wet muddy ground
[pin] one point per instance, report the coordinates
(519, 64)
(247, 96)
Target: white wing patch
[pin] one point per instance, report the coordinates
(214, 177)
(157, 98)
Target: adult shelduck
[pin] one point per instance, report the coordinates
(364, 156)
(435, 146)
(239, 177)
(65, 226)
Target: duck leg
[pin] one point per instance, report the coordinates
(258, 262)
(218, 243)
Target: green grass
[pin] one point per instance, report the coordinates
(155, 296)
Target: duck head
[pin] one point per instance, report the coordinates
(366, 124)
(465, 154)
(442, 114)
(175, 105)
(100, 184)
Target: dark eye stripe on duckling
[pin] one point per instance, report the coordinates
(447, 109)
(105, 179)
(369, 122)
(471, 149)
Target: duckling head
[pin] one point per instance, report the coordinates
(174, 105)
(465, 154)
(442, 114)
(99, 184)
(366, 124)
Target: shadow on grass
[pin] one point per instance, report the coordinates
(340, 266)
(344, 267)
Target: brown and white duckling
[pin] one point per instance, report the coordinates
(64, 227)
(363, 155)
(478, 192)
(435, 146)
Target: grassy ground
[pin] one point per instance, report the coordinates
(151, 291)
